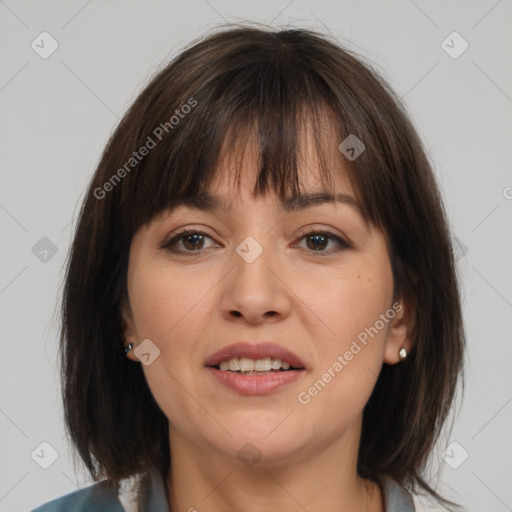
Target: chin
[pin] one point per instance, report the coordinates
(268, 439)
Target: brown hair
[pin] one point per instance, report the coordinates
(222, 85)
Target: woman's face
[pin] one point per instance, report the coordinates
(314, 281)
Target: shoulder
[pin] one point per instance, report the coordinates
(90, 499)
(396, 498)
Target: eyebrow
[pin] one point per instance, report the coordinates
(213, 203)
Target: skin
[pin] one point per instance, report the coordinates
(191, 305)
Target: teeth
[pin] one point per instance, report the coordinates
(234, 365)
(263, 365)
(246, 364)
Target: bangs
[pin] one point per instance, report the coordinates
(281, 105)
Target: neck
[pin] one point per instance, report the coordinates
(322, 479)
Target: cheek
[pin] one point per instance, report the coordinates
(170, 308)
(164, 302)
(350, 299)
(351, 355)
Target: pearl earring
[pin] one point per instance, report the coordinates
(402, 354)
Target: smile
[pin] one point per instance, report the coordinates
(248, 366)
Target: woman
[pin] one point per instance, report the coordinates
(261, 309)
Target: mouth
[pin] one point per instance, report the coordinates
(248, 366)
(255, 369)
(260, 358)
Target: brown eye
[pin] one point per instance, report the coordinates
(186, 241)
(318, 241)
(193, 242)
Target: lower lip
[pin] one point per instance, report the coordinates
(255, 384)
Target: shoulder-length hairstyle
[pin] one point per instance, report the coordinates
(165, 150)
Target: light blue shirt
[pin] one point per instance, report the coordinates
(97, 499)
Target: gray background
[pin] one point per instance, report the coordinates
(58, 112)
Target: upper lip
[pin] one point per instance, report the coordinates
(254, 351)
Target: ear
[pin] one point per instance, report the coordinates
(129, 333)
(401, 331)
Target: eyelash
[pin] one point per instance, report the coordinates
(168, 244)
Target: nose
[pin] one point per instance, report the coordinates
(256, 291)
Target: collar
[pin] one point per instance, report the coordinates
(396, 498)
(156, 499)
